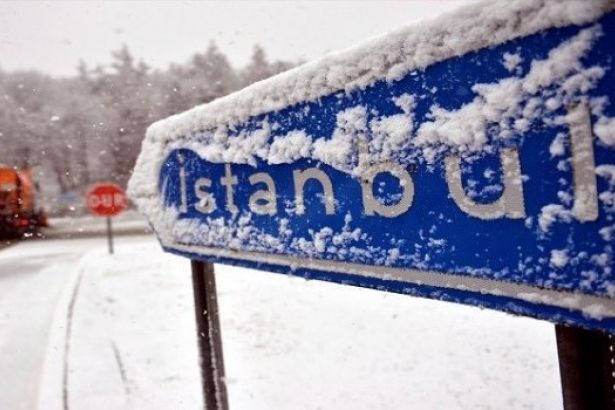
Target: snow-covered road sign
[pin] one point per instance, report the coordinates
(106, 199)
(468, 159)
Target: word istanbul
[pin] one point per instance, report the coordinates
(510, 204)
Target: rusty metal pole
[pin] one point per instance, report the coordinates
(209, 336)
(587, 366)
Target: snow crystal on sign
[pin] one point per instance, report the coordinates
(406, 102)
(607, 233)
(608, 199)
(559, 258)
(607, 171)
(391, 134)
(290, 147)
(605, 130)
(511, 61)
(338, 151)
(558, 147)
(549, 214)
(513, 103)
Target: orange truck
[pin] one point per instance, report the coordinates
(18, 212)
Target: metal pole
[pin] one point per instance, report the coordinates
(209, 336)
(587, 366)
(109, 235)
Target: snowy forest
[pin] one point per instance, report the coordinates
(87, 128)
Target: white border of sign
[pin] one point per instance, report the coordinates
(601, 306)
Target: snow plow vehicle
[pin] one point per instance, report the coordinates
(18, 212)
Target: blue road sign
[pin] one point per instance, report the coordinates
(485, 177)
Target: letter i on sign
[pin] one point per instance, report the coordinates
(183, 207)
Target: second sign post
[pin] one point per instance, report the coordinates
(107, 200)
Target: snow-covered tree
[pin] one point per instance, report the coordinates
(260, 68)
(89, 127)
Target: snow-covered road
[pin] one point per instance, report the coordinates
(288, 343)
(33, 275)
(44, 286)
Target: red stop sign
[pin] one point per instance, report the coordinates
(106, 199)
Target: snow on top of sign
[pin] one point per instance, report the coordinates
(388, 57)
(290, 147)
(500, 110)
(511, 104)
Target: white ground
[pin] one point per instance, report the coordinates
(288, 343)
(127, 221)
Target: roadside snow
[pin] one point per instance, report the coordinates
(293, 344)
(31, 281)
(129, 221)
(324, 346)
(133, 340)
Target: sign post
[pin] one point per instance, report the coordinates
(106, 200)
(587, 368)
(109, 235)
(469, 159)
(209, 336)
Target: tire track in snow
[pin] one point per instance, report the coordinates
(69, 322)
(121, 368)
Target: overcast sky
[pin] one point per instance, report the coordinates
(53, 36)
